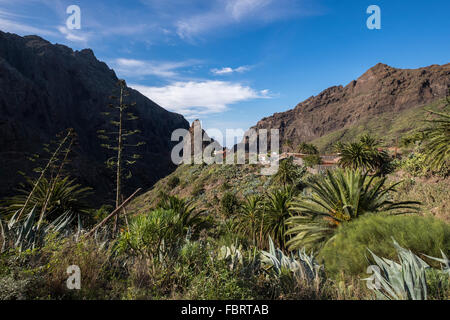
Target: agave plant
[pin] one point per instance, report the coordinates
(338, 197)
(26, 233)
(232, 255)
(400, 281)
(300, 265)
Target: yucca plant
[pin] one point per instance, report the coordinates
(406, 280)
(337, 197)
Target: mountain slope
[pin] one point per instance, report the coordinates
(46, 88)
(382, 91)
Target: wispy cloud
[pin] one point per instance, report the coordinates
(228, 70)
(140, 68)
(193, 98)
(73, 36)
(224, 13)
(9, 22)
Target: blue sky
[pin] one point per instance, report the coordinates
(232, 62)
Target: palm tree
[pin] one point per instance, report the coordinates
(437, 141)
(288, 172)
(369, 141)
(250, 219)
(355, 155)
(307, 148)
(338, 197)
(364, 155)
(277, 211)
(189, 217)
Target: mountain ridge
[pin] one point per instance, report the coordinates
(379, 90)
(46, 88)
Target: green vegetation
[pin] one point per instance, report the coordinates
(347, 252)
(437, 142)
(407, 280)
(336, 198)
(307, 148)
(118, 140)
(388, 127)
(364, 155)
(228, 232)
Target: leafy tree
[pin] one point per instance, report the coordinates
(173, 182)
(117, 140)
(338, 197)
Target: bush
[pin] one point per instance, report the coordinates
(312, 160)
(229, 204)
(198, 189)
(173, 182)
(348, 253)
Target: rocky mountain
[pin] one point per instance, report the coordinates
(382, 90)
(46, 88)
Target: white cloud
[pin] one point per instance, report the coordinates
(139, 68)
(76, 36)
(240, 8)
(222, 13)
(228, 70)
(198, 98)
(23, 29)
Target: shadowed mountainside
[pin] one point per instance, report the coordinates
(46, 88)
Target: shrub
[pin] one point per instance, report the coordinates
(229, 204)
(173, 182)
(198, 189)
(312, 160)
(348, 253)
(153, 235)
